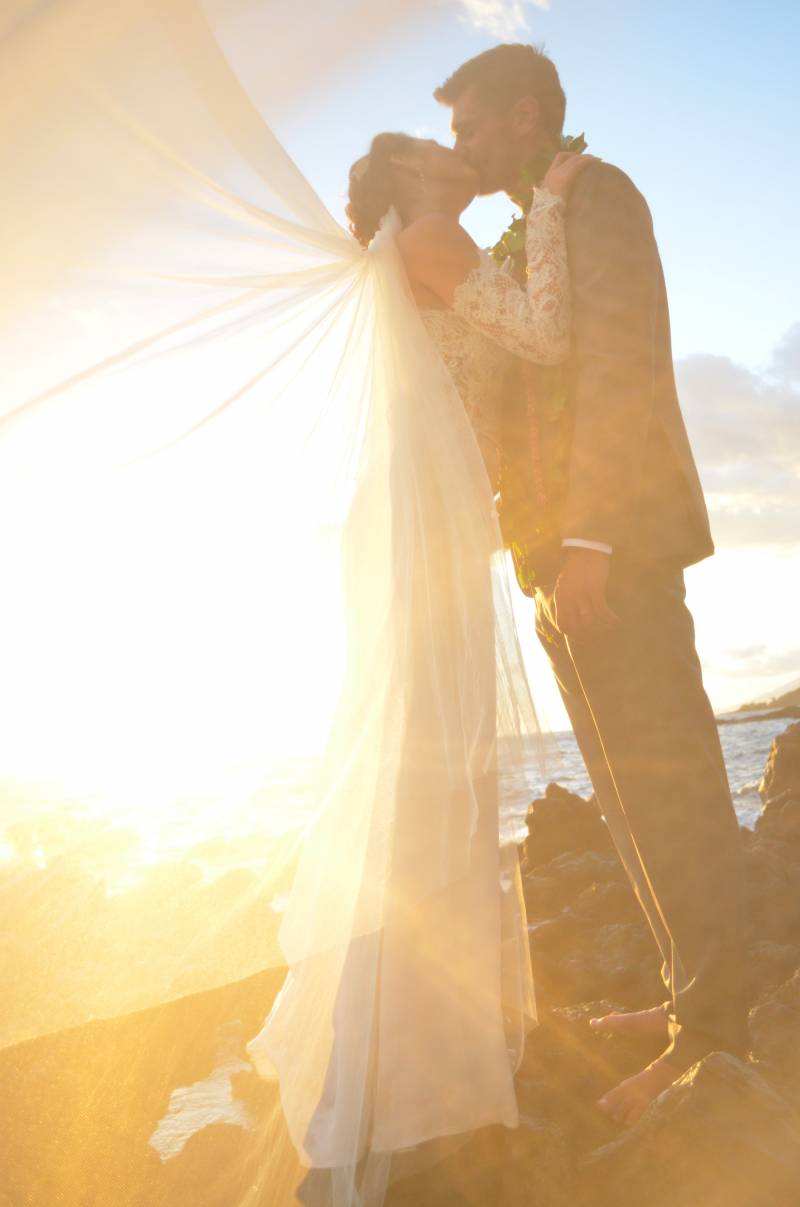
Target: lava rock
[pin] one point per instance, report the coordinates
(768, 966)
(775, 1038)
(789, 992)
(719, 1135)
(558, 883)
(537, 1168)
(258, 1094)
(496, 1165)
(208, 1170)
(541, 893)
(555, 935)
(619, 959)
(567, 1066)
(608, 901)
(773, 889)
(782, 771)
(779, 822)
(560, 822)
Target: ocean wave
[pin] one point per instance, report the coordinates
(746, 789)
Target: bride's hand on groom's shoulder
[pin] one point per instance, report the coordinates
(565, 170)
(579, 597)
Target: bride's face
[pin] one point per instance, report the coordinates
(445, 171)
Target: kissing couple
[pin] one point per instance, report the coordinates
(558, 346)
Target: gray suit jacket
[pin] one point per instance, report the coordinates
(615, 454)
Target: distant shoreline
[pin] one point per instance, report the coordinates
(789, 712)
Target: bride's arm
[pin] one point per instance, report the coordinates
(532, 322)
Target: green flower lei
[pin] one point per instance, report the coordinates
(512, 241)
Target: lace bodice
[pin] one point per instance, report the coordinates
(478, 368)
(492, 317)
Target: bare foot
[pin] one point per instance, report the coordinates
(639, 1023)
(628, 1101)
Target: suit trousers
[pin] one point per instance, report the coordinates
(648, 736)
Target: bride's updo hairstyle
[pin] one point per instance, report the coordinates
(374, 187)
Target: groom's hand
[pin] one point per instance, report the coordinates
(580, 594)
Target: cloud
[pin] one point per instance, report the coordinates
(501, 18)
(763, 662)
(745, 431)
(786, 359)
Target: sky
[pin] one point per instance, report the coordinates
(697, 103)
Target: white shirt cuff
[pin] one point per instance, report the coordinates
(579, 544)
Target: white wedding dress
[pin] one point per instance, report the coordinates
(243, 483)
(431, 1013)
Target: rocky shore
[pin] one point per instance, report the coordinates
(769, 714)
(81, 1106)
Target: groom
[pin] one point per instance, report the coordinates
(602, 519)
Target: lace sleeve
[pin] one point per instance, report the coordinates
(534, 322)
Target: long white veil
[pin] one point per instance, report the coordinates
(255, 629)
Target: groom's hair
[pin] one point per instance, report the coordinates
(506, 73)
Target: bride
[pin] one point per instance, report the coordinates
(245, 446)
(430, 1012)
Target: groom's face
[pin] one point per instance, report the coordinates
(492, 142)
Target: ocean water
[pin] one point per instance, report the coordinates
(212, 1100)
(745, 746)
(154, 875)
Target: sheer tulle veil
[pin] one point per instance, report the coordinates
(256, 627)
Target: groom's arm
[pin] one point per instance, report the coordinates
(615, 287)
